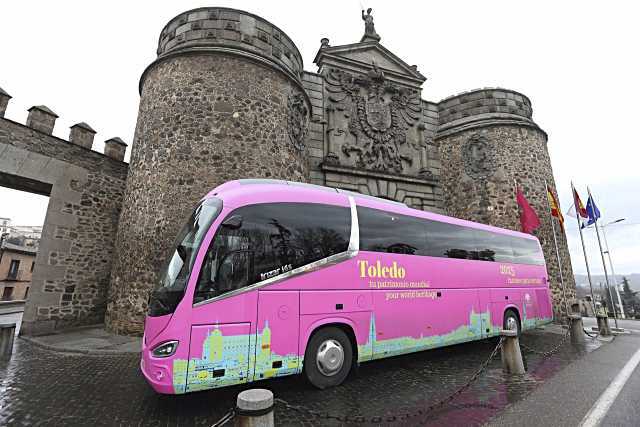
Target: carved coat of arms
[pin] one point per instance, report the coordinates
(380, 114)
(478, 157)
(297, 120)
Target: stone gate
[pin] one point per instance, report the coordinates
(73, 264)
(227, 98)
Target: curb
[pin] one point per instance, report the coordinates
(77, 350)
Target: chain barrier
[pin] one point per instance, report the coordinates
(401, 416)
(592, 335)
(231, 413)
(551, 352)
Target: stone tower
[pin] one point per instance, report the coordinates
(223, 100)
(488, 142)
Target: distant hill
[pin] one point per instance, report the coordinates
(582, 280)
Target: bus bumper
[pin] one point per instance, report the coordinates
(157, 373)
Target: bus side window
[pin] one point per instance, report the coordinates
(222, 270)
(265, 240)
(451, 241)
(233, 272)
(382, 231)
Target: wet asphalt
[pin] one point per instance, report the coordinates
(43, 387)
(565, 398)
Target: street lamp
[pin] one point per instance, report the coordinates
(615, 282)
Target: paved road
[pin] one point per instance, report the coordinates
(566, 398)
(41, 387)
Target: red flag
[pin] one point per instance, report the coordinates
(528, 218)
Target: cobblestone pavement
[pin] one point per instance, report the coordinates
(42, 387)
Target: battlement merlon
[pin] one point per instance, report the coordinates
(42, 119)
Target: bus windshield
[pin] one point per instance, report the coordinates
(174, 277)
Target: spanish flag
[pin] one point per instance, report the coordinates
(577, 209)
(580, 209)
(555, 208)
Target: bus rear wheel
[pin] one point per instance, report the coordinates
(328, 358)
(511, 321)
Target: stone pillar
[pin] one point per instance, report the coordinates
(41, 119)
(223, 100)
(115, 148)
(82, 134)
(254, 408)
(4, 101)
(488, 141)
(603, 325)
(511, 356)
(577, 330)
(7, 334)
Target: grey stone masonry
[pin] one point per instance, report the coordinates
(82, 134)
(42, 119)
(220, 28)
(483, 155)
(72, 267)
(115, 148)
(370, 131)
(228, 98)
(4, 101)
(212, 109)
(481, 101)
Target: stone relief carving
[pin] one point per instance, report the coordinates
(478, 157)
(369, 119)
(297, 120)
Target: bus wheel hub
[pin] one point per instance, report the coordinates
(330, 357)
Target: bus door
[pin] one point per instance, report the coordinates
(223, 327)
(276, 349)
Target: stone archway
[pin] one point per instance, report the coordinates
(71, 272)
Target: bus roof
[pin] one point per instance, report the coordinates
(246, 191)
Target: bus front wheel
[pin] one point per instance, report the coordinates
(328, 358)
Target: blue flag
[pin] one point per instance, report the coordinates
(592, 211)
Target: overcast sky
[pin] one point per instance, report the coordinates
(576, 60)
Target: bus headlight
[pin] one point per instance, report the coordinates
(165, 349)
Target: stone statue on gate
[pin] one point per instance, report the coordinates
(369, 29)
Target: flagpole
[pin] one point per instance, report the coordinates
(555, 241)
(604, 264)
(584, 250)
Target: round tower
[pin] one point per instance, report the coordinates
(222, 101)
(488, 142)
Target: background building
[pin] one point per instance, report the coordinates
(16, 267)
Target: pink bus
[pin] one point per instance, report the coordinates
(271, 278)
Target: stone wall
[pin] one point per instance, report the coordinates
(85, 188)
(227, 98)
(372, 133)
(205, 117)
(483, 156)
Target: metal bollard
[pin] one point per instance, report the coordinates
(254, 408)
(603, 325)
(7, 332)
(577, 330)
(511, 356)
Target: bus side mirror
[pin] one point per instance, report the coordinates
(233, 222)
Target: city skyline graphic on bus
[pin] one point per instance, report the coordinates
(229, 359)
